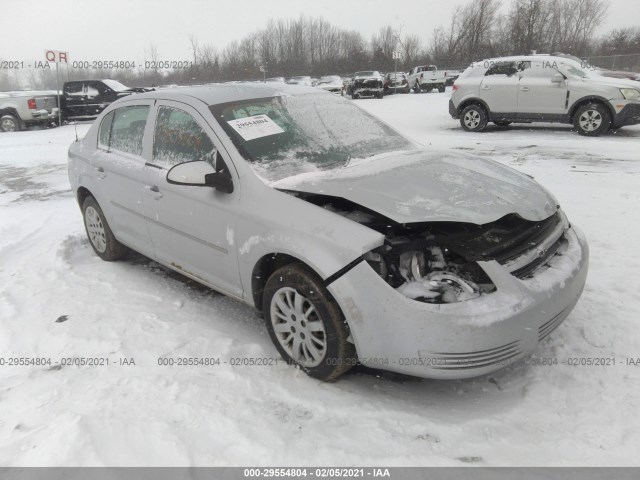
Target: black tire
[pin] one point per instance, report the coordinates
(105, 245)
(10, 123)
(502, 123)
(592, 119)
(338, 355)
(473, 118)
(428, 89)
(355, 96)
(442, 88)
(379, 95)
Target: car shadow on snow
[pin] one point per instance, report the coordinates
(550, 128)
(509, 381)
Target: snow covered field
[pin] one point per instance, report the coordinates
(146, 414)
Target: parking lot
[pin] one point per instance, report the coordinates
(573, 403)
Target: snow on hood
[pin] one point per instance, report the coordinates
(431, 186)
(599, 79)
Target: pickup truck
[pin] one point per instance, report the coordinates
(19, 110)
(426, 78)
(85, 99)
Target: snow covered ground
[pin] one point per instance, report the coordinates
(146, 414)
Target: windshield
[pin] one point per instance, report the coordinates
(286, 136)
(364, 74)
(115, 85)
(574, 69)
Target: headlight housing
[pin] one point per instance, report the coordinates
(630, 93)
(427, 272)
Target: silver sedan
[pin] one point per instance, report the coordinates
(354, 243)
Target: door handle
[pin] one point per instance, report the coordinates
(524, 89)
(153, 191)
(486, 87)
(101, 173)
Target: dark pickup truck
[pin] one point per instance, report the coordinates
(85, 99)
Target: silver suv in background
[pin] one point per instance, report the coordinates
(542, 88)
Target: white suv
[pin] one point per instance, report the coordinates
(542, 88)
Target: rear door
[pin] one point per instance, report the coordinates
(191, 227)
(538, 96)
(99, 96)
(75, 99)
(119, 167)
(499, 88)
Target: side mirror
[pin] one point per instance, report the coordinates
(200, 174)
(557, 78)
(221, 181)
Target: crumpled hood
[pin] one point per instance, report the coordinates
(427, 186)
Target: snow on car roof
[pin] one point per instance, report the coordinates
(221, 93)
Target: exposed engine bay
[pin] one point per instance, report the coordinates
(436, 262)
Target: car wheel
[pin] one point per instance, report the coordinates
(306, 324)
(502, 123)
(10, 123)
(441, 88)
(101, 237)
(592, 119)
(355, 96)
(379, 95)
(473, 118)
(428, 89)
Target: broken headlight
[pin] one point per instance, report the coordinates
(427, 272)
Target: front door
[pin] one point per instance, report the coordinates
(538, 95)
(192, 228)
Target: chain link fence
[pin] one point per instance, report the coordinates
(628, 62)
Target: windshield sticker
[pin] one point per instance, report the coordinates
(257, 126)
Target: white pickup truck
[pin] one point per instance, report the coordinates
(426, 78)
(19, 110)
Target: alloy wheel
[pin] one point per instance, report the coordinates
(95, 228)
(298, 327)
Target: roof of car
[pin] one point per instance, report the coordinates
(520, 58)
(214, 94)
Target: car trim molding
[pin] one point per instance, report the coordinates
(164, 225)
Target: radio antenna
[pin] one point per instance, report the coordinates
(75, 124)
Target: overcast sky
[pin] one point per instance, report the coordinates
(123, 29)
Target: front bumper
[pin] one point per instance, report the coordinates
(628, 115)
(465, 339)
(367, 87)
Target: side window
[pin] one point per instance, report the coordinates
(502, 68)
(127, 128)
(73, 88)
(104, 134)
(178, 138)
(539, 70)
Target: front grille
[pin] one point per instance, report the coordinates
(470, 360)
(526, 239)
(528, 270)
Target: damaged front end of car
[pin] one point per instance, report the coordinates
(439, 262)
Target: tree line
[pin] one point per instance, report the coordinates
(313, 46)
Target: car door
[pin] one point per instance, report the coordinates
(192, 228)
(119, 169)
(538, 94)
(499, 88)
